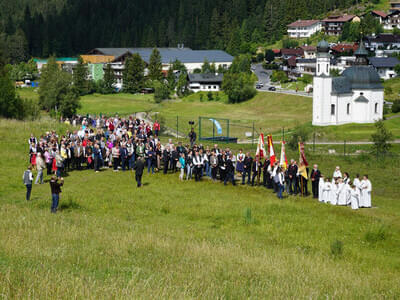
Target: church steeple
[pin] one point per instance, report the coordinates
(361, 55)
(323, 59)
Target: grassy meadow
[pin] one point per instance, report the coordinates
(270, 112)
(174, 239)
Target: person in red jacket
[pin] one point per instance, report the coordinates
(156, 128)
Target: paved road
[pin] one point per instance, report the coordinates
(264, 78)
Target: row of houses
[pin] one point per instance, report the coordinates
(333, 25)
(302, 60)
(98, 59)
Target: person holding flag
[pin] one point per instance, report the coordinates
(260, 154)
(303, 170)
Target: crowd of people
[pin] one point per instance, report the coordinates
(124, 144)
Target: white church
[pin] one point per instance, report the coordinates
(354, 97)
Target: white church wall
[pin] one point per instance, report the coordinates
(321, 100)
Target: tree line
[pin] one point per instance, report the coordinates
(69, 27)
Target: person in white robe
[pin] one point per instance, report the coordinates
(348, 186)
(337, 174)
(321, 189)
(341, 192)
(354, 197)
(327, 190)
(357, 183)
(366, 189)
(333, 195)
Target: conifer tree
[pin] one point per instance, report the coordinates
(155, 66)
(133, 75)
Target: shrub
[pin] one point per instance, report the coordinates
(381, 138)
(217, 97)
(279, 76)
(210, 96)
(337, 248)
(396, 106)
(201, 97)
(161, 91)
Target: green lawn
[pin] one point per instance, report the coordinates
(393, 85)
(191, 240)
(269, 112)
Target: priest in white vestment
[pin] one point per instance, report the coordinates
(366, 189)
(341, 192)
(321, 189)
(354, 197)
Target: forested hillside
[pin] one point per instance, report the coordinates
(66, 27)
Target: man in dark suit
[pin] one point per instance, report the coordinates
(247, 163)
(230, 171)
(292, 172)
(257, 166)
(139, 166)
(124, 157)
(166, 158)
(315, 176)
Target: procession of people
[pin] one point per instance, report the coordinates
(131, 144)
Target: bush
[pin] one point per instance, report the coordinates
(217, 97)
(210, 96)
(337, 248)
(268, 66)
(201, 97)
(239, 86)
(396, 106)
(381, 139)
(306, 78)
(279, 76)
(161, 91)
(31, 110)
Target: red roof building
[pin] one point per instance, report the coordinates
(343, 48)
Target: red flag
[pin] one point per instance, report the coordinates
(302, 161)
(272, 157)
(261, 147)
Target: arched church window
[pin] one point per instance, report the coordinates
(376, 108)
(332, 109)
(348, 108)
(319, 68)
(326, 69)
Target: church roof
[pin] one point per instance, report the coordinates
(340, 85)
(361, 99)
(363, 77)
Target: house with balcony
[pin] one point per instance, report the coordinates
(304, 28)
(333, 25)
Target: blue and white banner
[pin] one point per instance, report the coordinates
(217, 125)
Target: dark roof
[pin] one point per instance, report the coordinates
(340, 85)
(384, 62)
(363, 77)
(303, 23)
(344, 18)
(384, 38)
(206, 77)
(361, 99)
(306, 60)
(185, 55)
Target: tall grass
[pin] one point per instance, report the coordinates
(174, 239)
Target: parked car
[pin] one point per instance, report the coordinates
(258, 86)
(272, 88)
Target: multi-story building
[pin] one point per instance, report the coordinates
(334, 24)
(304, 28)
